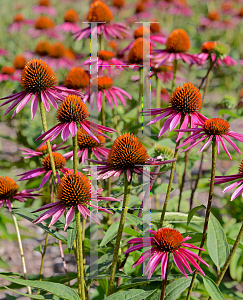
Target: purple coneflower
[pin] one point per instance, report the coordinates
(77, 78)
(185, 102)
(57, 58)
(106, 59)
(38, 80)
(71, 114)
(177, 47)
(211, 49)
(9, 192)
(8, 74)
(162, 243)
(100, 12)
(163, 72)
(106, 88)
(74, 192)
(214, 128)
(70, 22)
(180, 7)
(46, 169)
(42, 150)
(212, 20)
(87, 145)
(144, 32)
(19, 22)
(44, 7)
(127, 155)
(44, 26)
(238, 178)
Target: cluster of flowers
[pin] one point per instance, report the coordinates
(127, 154)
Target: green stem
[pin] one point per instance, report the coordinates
(116, 122)
(164, 282)
(140, 96)
(210, 198)
(21, 251)
(43, 256)
(197, 180)
(183, 179)
(44, 125)
(172, 172)
(80, 263)
(127, 191)
(75, 150)
(158, 92)
(174, 77)
(103, 111)
(79, 242)
(232, 252)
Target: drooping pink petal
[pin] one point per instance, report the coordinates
(45, 179)
(164, 262)
(34, 106)
(179, 264)
(237, 192)
(175, 121)
(232, 186)
(73, 128)
(8, 203)
(154, 264)
(69, 217)
(225, 148)
(56, 216)
(231, 143)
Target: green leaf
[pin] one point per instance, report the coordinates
(110, 234)
(192, 213)
(138, 281)
(103, 263)
(71, 235)
(57, 289)
(232, 241)
(171, 217)
(3, 264)
(38, 249)
(35, 296)
(136, 294)
(217, 245)
(131, 232)
(134, 220)
(175, 288)
(222, 112)
(26, 214)
(212, 289)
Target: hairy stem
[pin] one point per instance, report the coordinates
(183, 179)
(21, 251)
(164, 282)
(174, 77)
(158, 92)
(116, 122)
(80, 263)
(197, 180)
(43, 256)
(210, 198)
(44, 125)
(140, 96)
(103, 111)
(127, 192)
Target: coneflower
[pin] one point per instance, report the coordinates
(38, 81)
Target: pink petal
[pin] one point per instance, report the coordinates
(69, 217)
